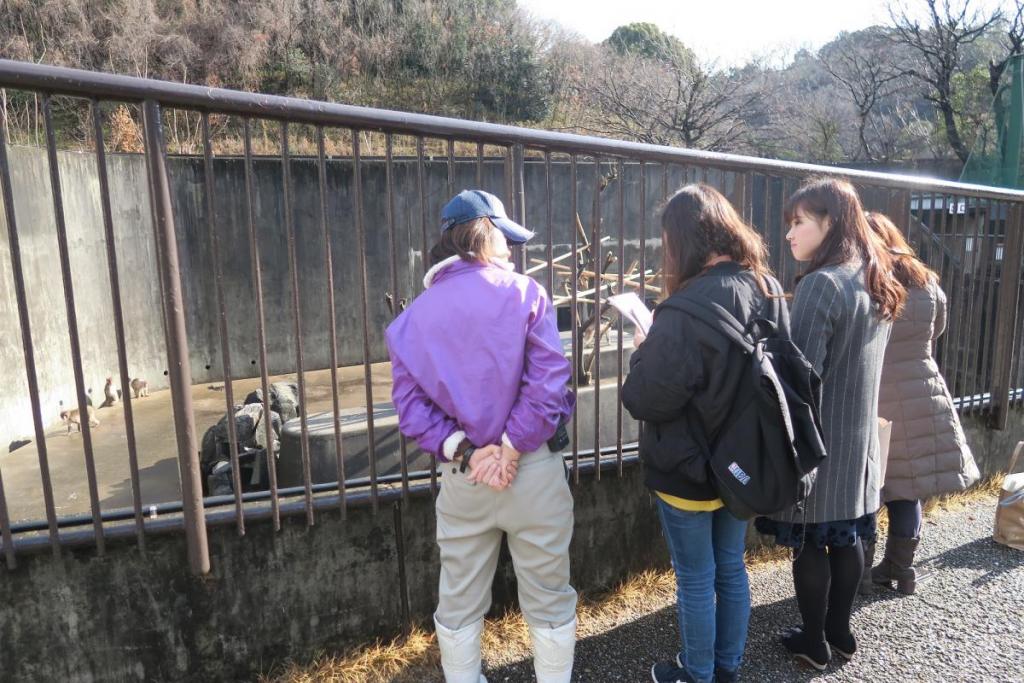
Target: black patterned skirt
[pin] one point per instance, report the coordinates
(839, 534)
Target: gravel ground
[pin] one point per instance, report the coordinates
(966, 622)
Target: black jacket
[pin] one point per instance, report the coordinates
(684, 378)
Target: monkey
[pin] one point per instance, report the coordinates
(111, 395)
(140, 387)
(71, 418)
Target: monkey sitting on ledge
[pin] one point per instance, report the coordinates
(110, 394)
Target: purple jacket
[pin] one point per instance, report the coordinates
(478, 353)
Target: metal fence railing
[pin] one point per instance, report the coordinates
(343, 252)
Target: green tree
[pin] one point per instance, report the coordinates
(644, 39)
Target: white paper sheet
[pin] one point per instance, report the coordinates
(634, 310)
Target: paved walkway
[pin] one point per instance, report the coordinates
(966, 623)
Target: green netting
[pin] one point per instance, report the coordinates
(996, 159)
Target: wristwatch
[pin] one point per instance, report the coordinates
(464, 452)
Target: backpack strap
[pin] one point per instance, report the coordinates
(718, 318)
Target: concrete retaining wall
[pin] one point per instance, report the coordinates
(136, 255)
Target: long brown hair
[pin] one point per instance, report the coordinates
(849, 237)
(698, 222)
(470, 241)
(906, 266)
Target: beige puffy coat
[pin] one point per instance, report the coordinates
(928, 454)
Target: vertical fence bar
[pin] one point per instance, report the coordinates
(509, 196)
(26, 343)
(574, 315)
(115, 300)
(364, 302)
(421, 192)
(938, 243)
(222, 322)
(771, 237)
(598, 267)
(451, 167)
(749, 194)
(84, 411)
(906, 215)
(261, 333)
(510, 186)
(739, 193)
(293, 273)
(177, 345)
(621, 172)
(339, 448)
(551, 225)
(519, 200)
(396, 305)
(1007, 344)
(480, 165)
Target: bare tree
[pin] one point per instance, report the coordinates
(863, 66)
(676, 101)
(939, 44)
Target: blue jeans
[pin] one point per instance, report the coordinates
(707, 554)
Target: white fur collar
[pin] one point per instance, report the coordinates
(428, 279)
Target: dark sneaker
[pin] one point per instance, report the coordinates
(668, 672)
(721, 675)
(726, 676)
(804, 649)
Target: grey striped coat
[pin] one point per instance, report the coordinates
(835, 324)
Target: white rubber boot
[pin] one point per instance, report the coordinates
(553, 651)
(460, 652)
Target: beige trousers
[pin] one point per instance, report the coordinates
(536, 512)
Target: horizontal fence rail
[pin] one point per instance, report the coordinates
(283, 267)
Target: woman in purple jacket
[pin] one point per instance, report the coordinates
(480, 381)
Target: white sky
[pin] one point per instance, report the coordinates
(730, 31)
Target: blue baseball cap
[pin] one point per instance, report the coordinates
(470, 204)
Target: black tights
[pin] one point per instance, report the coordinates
(826, 583)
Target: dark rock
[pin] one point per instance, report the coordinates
(215, 445)
(284, 399)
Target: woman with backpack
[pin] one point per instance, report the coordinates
(682, 381)
(480, 382)
(842, 312)
(928, 453)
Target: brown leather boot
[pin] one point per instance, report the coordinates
(898, 565)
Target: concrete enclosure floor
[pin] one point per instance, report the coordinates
(159, 480)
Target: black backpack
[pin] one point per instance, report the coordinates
(764, 458)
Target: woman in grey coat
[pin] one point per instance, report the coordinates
(928, 454)
(841, 316)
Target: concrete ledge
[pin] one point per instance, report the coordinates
(134, 617)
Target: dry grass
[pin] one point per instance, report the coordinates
(506, 639)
